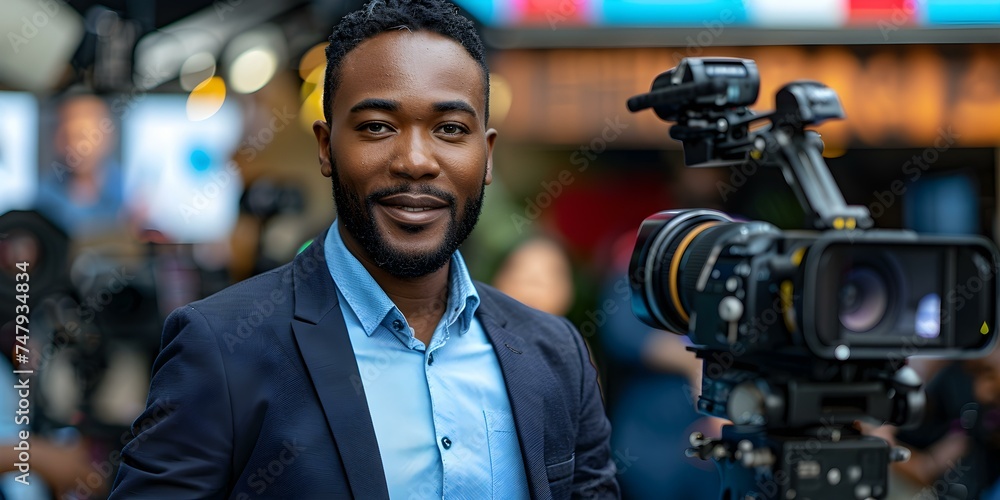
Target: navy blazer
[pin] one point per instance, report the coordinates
(256, 394)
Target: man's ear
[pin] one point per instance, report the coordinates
(491, 138)
(322, 131)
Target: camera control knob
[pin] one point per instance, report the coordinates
(730, 309)
(899, 454)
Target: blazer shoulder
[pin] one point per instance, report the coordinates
(273, 287)
(523, 319)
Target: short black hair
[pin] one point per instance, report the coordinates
(379, 16)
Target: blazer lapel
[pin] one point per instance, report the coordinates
(321, 335)
(518, 364)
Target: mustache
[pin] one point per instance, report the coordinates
(373, 198)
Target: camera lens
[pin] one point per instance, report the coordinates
(671, 254)
(864, 299)
(656, 274)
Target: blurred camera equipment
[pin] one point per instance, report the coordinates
(95, 321)
(802, 333)
(276, 207)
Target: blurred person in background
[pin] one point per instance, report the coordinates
(653, 380)
(986, 436)
(958, 440)
(538, 273)
(82, 190)
(653, 385)
(57, 466)
(372, 365)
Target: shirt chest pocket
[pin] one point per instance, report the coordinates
(509, 478)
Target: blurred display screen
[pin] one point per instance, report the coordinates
(179, 177)
(947, 204)
(18, 150)
(744, 13)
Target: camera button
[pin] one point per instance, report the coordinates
(730, 309)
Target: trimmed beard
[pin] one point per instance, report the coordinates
(358, 217)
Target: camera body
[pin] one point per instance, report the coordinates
(838, 291)
(749, 288)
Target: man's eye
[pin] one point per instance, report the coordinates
(376, 128)
(451, 129)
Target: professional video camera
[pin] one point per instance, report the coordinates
(802, 333)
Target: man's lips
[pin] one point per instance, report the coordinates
(413, 202)
(413, 209)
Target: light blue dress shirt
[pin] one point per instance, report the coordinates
(441, 414)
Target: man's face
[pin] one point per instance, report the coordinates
(83, 137)
(408, 150)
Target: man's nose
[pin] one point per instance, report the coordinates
(416, 157)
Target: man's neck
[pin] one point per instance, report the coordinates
(422, 300)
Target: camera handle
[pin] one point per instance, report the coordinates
(722, 137)
(800, 154)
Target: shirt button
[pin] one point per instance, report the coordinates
(397, 325)
(445, 442)
(430, 359)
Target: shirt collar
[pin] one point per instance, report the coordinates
(371, 304)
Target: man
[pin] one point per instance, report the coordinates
(372, 366)
(82, 191)
(959, 436)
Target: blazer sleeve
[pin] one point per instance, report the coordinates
(182, 442)
(594, 473)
